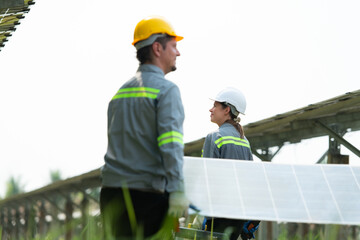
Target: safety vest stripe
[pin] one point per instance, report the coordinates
(168, 137)
(232, 140)
(137, 92)
(139, 89)
(169, 140)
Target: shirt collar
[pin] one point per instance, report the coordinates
(150, 68)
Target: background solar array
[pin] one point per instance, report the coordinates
(327, 194)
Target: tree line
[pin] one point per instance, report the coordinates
(15, 186)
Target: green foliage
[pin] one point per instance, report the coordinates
(93, 231)
(14, 186)
(326, 232)
(55, 175)
(94, 192)
(130, 209)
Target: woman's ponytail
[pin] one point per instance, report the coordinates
(236, 124)
(235, 120)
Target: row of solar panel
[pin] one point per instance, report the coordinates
(321, 193)
(11, 11)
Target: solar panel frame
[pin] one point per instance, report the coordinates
(323, 194)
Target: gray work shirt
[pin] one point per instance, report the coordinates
(226, 143)
(145, 134)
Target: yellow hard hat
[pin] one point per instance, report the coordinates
(153, 25)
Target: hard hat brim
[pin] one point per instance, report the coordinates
(177, 38)
(222, 101)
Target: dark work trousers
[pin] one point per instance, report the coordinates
(150, 212)
(224, 225)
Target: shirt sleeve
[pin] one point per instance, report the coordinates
(170, 118)
(210, 149)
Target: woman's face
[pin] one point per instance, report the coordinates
(219, 114)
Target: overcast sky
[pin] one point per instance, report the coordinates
(66, 60)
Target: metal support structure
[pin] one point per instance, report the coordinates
(58, 200)
(69, 208)
(89, 196)
(2, 220)
(323, 157)
(32, 221)
(266, 154)
(334, 145)
(85, 215)
(53, 203)
(258, 155)
(26, 223)
(42, 221)
(4, 223)
(68, 197)
(17, 228)
(12, 223)
(190, 233)
(338, 138)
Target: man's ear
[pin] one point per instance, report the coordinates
(156, 47)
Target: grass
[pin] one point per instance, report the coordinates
(326, 232)
(93, 231)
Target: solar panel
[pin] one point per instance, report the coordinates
(326, 194)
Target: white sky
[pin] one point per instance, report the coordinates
(67, 59)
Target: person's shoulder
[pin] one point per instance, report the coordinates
(132, 82)
(152, 76)
(168, 88)
(213, 135)
(228, 130)
(226, 125)
(167, 84)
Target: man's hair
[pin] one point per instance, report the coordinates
(144, 54)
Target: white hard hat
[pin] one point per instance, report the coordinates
(233, 97)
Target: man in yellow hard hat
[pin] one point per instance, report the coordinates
(142, 178)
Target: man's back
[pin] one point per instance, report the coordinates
(146, 107)
(142, 179)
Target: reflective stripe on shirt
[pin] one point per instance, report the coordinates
(168, 137)
(231, 140)
(137, 92)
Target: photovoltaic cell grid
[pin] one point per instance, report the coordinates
(326, 194)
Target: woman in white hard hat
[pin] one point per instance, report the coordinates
(228, 142)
